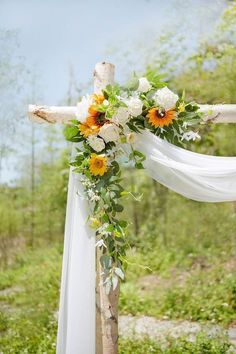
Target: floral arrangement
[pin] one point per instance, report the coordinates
(106, 127)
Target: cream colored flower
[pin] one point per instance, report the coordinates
(135, 106)
(144, 85)
(83, 108)
(96, 143)
(165, 98)
(109, 132)
(121, 116)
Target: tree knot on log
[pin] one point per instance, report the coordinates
(114, 319)
(41, 114)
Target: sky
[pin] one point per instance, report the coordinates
(56, 36)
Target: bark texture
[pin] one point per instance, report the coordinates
(106, 305)
(219, 113)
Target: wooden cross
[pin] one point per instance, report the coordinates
(107, 306)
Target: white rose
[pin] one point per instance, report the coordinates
(121, 116)
(96, 143)
(83, 107)
(144, 85)
(135, 106)
(109, 132)
(105, 103)
(165, 98)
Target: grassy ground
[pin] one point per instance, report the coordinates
(28, 323)
(29, 300)
(203, 345)
(199, 294)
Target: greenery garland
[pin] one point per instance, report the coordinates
(106, 127)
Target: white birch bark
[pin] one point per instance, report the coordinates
(106, 305)
(219, 113)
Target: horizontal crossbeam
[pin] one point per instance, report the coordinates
(219, 113)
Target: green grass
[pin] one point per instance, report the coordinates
(207, 294)
(202, 345)
(28, 323)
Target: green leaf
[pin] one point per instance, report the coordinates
(71, 131)
(108, 285)
(105, 218)
(139, 165)
(118, 207)
(115, 281)
(120, 273)
(110, 228)
(123, 223)
(116, 167)
(106, 262)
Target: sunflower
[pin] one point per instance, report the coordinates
(98, 98)
(160, 119)
(93, 112)
(89, 127)
(97, 165)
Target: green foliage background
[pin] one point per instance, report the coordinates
(182, 256)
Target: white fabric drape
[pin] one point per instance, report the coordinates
(195, 176)
(76, 322)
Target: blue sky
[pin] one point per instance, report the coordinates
(55, 35)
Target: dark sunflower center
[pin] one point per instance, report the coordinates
(160, 113)
(100, 119)
(99, 163)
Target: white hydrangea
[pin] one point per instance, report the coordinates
(109, 132)
(144, 85)
(135, 106)
(96, 143)
(83, 107)
(121, 116)
(190, 136)
(165, 98)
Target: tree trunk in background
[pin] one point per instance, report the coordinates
(32, 223)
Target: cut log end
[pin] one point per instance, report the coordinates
(52, 114)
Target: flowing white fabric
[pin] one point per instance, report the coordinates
(76, 323)
(195, 176)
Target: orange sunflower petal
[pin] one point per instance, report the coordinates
(157, 120)
(91, 121)
(85, 130)
(93, 111)
(98, 98)
(89, 127)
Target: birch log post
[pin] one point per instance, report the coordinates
(216, 113)
(106, 305)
